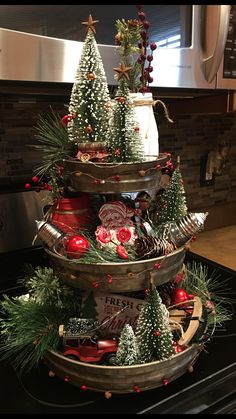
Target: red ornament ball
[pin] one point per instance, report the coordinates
(179, 295)
(77, 246)
(27, 186)
(67, 118)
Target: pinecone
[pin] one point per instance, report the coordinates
(151, 247)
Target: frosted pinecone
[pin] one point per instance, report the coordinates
(151, 247)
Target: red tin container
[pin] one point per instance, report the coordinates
(72, 214)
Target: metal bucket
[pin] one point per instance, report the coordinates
(114, 177)
(126, 276)
(122, 379)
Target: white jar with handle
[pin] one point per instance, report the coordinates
(143, 107)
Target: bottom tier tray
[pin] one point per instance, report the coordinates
(126, 276)
(125, 379)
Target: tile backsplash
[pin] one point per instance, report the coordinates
(190, 136)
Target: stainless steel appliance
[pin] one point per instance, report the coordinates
(18, 212)
(196, 47)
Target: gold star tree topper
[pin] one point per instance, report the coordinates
(90, 24)
(122, 71)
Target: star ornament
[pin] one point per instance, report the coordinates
(90, 24)
(122, 71)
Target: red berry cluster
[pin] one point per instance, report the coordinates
(146, 57)
(37, 185)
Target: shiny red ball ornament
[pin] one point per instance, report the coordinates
(65, 119)
(83, 387)
(27, 186)
(179, 295)
(137, 389)
(165, 382)
(77, 246)
(153, 46)
(157, 333)
(66, 378)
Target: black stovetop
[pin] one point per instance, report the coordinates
(210, 388)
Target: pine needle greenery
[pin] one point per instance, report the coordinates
(98, 255)
(46, 288)
(28, 330)
(128, 36)
(29, 324)
(212, 290)
(54, 142)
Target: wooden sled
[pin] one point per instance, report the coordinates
(178, 318)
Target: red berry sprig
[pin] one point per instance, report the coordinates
(146, 52)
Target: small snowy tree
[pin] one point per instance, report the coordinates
(153, 333)
(172, 204)
(124, 132)
(127, 353)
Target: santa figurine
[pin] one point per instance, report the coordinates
(117, 228)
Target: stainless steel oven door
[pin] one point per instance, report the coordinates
(18, 212)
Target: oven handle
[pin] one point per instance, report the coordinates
(211, 64)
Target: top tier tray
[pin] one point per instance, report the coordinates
(113, 178)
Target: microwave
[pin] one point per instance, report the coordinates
(196, 45)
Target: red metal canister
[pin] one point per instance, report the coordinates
(72, 214)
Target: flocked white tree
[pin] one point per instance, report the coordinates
(89, 102)
(124, 132)
(127, 352)
(153, 333)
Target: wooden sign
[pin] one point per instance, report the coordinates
(112, 311)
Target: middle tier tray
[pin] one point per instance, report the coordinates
(118, 277)
(110, 178)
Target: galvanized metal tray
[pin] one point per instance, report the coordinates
(114, 177)
(126, 276)
(122, 379)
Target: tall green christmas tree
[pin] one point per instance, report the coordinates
(127, 352)
(172, 204)
(88, 310)
(153, 333)
(89, 102)
(124, 135)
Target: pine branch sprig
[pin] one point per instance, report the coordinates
(28, 330)
(212, 290)
(54, 142)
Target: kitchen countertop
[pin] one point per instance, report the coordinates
(218, 245)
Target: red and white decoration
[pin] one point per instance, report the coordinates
(117, 228)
